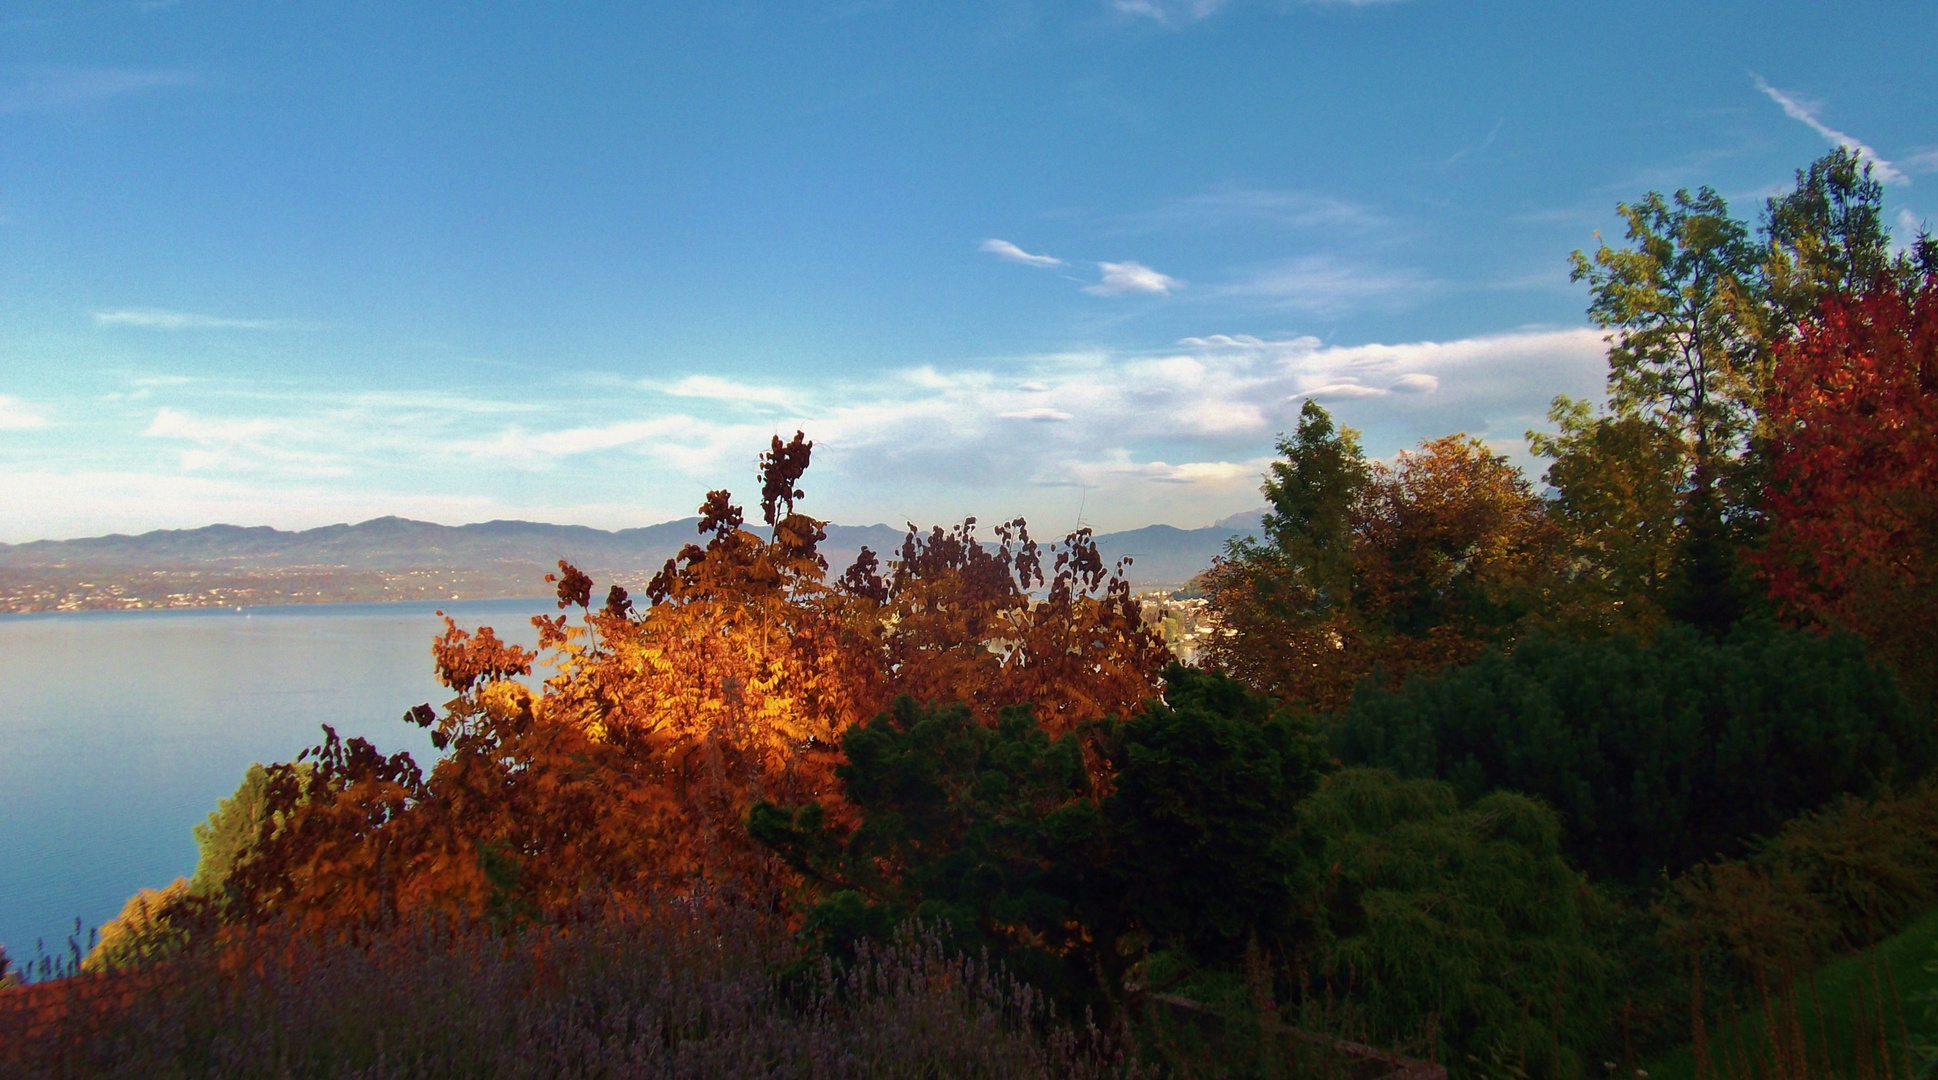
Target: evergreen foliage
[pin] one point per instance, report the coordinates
(998, 834)
(1460, 926)
(1655, 755)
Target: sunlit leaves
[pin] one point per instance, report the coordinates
(635, 762)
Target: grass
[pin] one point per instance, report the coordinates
(1845, 988)
(677, 991)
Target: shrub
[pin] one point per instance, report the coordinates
(1656, 755)
(1458, 929)
(1008, 838)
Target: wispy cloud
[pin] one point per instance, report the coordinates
(1237, 205)
(1178, 434)
(163, 319)
(1132, 277)
(1168, 12)
(49, 88)
(719, 389)
(1923, 162)
(1009, 252)
(1806, 113)
(172, 424)
(1910, 227)
(293, 445)
(1320, 285)
(16, 416)
(1184, 12)
(1492, 134)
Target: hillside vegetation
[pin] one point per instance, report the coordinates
(1515, 782)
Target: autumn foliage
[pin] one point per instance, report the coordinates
(1853, 498)
(635, 763)
(1368, 567)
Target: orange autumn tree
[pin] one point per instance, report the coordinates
(634, 765)
(1370, 568)
(1853, 492)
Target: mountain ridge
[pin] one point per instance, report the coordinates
(1161, 554)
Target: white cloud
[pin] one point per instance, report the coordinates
(719, 389)
(1233, 204)
(16, 416)
(1009, 252)
(170, 424)
(163, 319)
(1183, 12)
(1806, 113)
(47, 88)
(251, 443)
(1168, 12)
(1322, 286)
(1346, 390)
(1923, 162)
(679, 441)
(1175, 435)
(1132, 277)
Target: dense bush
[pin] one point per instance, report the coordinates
(1459, 930)
(1204, 818)
(1015, 842)
(1656, 755)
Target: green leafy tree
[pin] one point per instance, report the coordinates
(1203, 818)
(224, 838)
(1825, 237)
(1313, 492)
(1285, 607)
(1681, 356)
(1615, 481)
(987, 831)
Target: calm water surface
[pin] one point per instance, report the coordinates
(119, 731)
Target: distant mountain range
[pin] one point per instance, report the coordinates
(1162, 555)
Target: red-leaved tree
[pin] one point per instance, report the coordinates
(1853, 499)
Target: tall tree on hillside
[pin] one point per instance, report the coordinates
(1682, 357)
(1679, 354)
(1698, 309)
(1313, 492)
(1285, 606)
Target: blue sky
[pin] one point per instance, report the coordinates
(293, 264)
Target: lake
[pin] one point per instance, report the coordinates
(119, 731)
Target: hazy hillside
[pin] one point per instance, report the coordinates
(392, 557)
